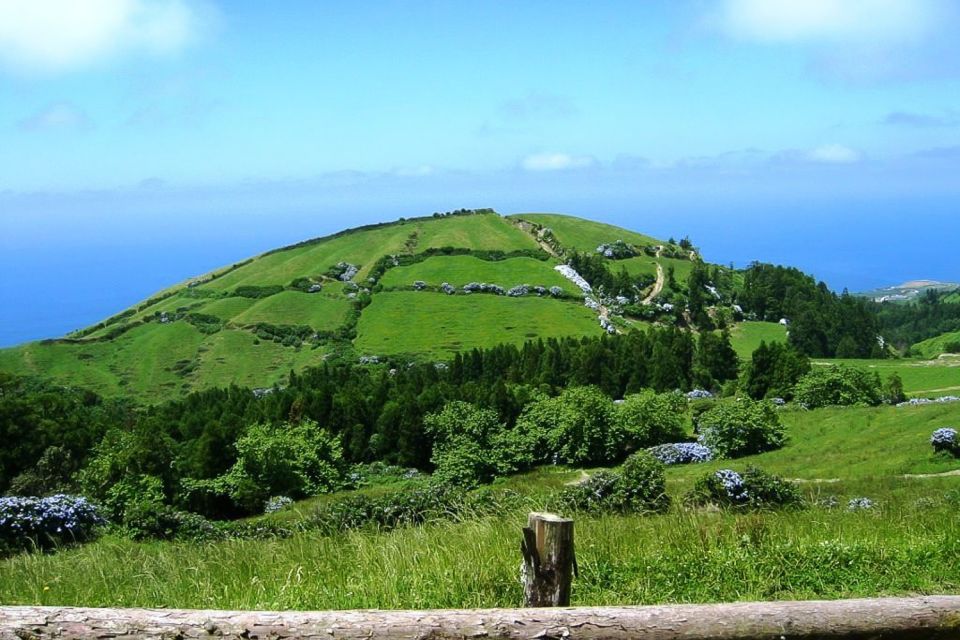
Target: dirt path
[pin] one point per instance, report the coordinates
(527, 228)
(658, 285)
(942, 474)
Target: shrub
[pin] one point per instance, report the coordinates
(945, 439)
(163, 522)
(755, 489)
(277, 503)
(860, 504)
(838, 385)
(27, 523)
(464, 449)
(741, 428)
(642, 485)
(649, 418)
(407, 506)
(580, 426)
(296, 460)
(639, 486)
(681, 453)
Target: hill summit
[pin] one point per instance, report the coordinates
(420, 289)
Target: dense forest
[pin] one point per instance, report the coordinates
(377, 411)
(930, 316)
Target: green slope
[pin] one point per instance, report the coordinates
(252, 322)
(585, 235)
(435, 325)
(934, 347)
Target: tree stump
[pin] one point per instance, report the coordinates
(548, 560)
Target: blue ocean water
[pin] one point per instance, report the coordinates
(62, 271)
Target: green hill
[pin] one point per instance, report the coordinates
(253, 322)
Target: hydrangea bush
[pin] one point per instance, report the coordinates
(741, 428)
(860, 504)
(754, 489)
(277, 503)
(44, 522)
(681, 453)
(945, 439)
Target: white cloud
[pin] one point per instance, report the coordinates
(60, 116)
(60, 35)
(833, 154)
(866, 21)
(556, 161)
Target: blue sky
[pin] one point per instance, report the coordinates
(116, 94)
(205, 130)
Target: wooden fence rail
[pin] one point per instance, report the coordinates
(926, 618)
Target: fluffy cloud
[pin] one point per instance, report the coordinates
(60, 116)
(556, 162)
(57, 35)
(874, 21)
(833, 154)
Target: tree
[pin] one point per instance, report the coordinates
(295, 460)
(773, 371)
(649, 418)
(741, 428)
(838, 385)
(465, 439)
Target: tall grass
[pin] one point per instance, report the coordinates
(909, 544)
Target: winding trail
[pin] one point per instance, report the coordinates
(658, 285)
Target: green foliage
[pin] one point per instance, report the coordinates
(296, 460)
(742, 427)
(773, 371)
(255, 291)
(649, 418)
(893, 392)
(754, 490)
(465, 445)
(581, 426)
(838, 385)
(638, 486)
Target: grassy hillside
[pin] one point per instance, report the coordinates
(254, 321)
(747, 336)
(906, 545)
(436, 326)
(585, 235)
(934, 347)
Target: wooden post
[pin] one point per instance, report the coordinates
(548, 560)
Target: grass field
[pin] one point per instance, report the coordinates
(585, 235)
(641, 265)
(459, 270)
(488, 232)
(935, 346)
(434, 325)
(745, 337)
(908, 544)
(318, 311)
(920, 377)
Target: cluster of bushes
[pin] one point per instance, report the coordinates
(839, 385)
(287, 335)
(618, 250)
(39, 523)
(204, 322)
(255, 291)
(741, 428)
(754, 489)
(945, 440)
(638, 486)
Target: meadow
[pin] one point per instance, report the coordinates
(460, 270)
(433, 325)
(585, 235)
(909, 543)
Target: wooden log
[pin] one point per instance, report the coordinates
(548, 559)
(927, 618)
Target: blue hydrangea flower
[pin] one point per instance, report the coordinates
(681, 453)
(732, 484)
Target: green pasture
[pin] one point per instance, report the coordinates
(316, 310)
(585, 235)
(434, 325)
(745, 337)
(459, 270)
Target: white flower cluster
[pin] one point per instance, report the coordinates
(699, 394)
(483, 287)
(919, 401)
(571, 274)
(607, 326)
(347, 271)
(419, 285)
(590, 303)
(369, 359)
(448, 288)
